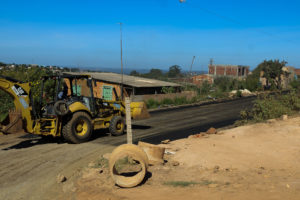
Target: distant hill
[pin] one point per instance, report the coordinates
(118, 70)
(141, 71)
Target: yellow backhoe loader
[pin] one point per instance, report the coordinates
(67, 108)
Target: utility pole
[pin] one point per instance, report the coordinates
(192, 65)
(211, 65)
(121, 46)
(189, 74)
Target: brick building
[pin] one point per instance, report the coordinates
(200, 79)
(229, 70)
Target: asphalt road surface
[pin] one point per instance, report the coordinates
(29, 164)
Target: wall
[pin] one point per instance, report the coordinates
(158, 97)
(228, 70)
(199, 79)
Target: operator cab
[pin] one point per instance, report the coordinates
(65, 89)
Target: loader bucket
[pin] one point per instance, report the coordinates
(139, 110)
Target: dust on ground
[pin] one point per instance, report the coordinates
(260, 161)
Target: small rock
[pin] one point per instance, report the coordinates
(262, 168)
(288, 186)
(284, 117)
(175, 163)
(216, 169)
(190, 137)
(259, 172)
(211, 131)
(91, 164)
(106, 156)
(177, 149)
(270, 121)
(61, 178)
(213, 185)
(169, 152)
(237, 185)
(165, 141)
(233, 136)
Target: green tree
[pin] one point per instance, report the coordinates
(75, 70)
(134, 73)
(155, 73)
(272, 71)
(174, 71)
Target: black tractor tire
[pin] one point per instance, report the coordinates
(61, 108)
(79, 129)
(117, 126)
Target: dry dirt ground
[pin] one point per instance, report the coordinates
(260, 161)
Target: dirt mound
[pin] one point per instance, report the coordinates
(258, 161)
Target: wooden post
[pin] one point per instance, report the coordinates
(128, 120)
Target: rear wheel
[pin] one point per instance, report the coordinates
(117, 126)
(78, 129)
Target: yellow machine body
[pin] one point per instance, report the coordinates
(53, 125)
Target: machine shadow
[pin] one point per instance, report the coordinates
(33, 140)
(140, 127)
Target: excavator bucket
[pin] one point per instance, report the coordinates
(139, 110)
(13, 123)
(20, 92)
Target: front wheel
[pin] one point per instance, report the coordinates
(78, 129)
(117, 126)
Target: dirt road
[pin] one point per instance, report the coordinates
(29, 165)
(259, 161)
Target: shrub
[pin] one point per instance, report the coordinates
(167, 101)
(295, 84)
(151, 103)
(238, 93)
(271, 106)
(205, 88)
(180, 100)
(193, 100)
(218, 94)
(168, 90)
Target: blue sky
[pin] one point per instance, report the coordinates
(156, 33)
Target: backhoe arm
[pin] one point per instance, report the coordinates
(20, 92)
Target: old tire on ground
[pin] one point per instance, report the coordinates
(137, 154)
(61, 108)
(117, 126)
(78, 129)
